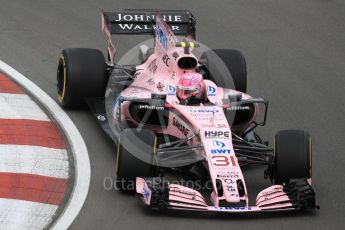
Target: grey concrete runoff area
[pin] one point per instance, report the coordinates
(295, 52)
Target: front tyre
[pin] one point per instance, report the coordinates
(292, 156)
(81, 73)
(135, 154)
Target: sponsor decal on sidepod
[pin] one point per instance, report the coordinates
(180, 126)
(211, 91)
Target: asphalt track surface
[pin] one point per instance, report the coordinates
(295, 52)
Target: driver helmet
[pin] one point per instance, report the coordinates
(190, 85)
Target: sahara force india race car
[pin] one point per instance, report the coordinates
(157, 132)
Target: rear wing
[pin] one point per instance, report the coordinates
(143, 21)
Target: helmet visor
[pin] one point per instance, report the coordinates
(187, 92)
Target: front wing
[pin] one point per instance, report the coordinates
(297, 195)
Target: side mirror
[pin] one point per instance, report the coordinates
(235, 98)
(158, 96)
(158, 99)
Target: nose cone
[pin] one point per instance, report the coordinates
(232, 199)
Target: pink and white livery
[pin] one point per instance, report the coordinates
(178, 113)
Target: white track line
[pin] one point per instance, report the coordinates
(20, 106)
(81, 157)
(13, 214)
(34, 160)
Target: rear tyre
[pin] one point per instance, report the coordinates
(234, 75)
(292, 156)
(135, 152)
(81, 73)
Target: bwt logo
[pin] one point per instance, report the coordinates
(220, 151)
(217, 134)
(211, 91)
(171, 90)
(218, 144)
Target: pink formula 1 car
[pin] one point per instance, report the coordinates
(184, 111)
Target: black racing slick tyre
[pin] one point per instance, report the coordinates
(81, 73)
(135, 154)
(292, 156)
(227, 68)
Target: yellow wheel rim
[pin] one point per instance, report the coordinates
(62, 96)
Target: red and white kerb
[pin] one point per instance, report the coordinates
(34, 166)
